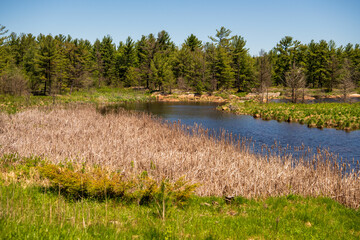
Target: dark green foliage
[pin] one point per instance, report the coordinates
(285, 54)
(60, 64)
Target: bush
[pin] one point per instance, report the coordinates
(100, 184)
(14, 82)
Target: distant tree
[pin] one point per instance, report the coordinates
(333, 66)
(264, 74)
(189, 68)
(193, 43)
(210, 60)
(222, 38)
(164, 43)
(126, 63)
(146, 49)
(161, 72)
(46, 62)
(96, 56)
(346, 79)
(223, 70)
(3, 51)
(295, 79)
(284, 54)
(107, 51)
(242, 64)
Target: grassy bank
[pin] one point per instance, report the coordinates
(12, 104)
(42, 200)
(331, 115)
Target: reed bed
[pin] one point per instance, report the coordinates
(131, 142)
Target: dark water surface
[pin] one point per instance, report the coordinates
(344, 144)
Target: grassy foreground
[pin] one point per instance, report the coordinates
(342, 116)
(33, 213)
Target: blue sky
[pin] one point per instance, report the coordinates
(262, 23)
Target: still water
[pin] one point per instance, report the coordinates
(344, 144)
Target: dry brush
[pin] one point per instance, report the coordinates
(131, 143)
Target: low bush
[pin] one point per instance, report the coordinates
(100, 184)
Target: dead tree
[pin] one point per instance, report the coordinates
(295, 79)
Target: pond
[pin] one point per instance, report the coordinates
(344, 144)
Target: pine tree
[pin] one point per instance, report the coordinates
(126, 63)
(46, 62)
(193, 43)
(242, 64)
(96, 57)
(285, 53)
(4, 56)
(107, 51)
(161, 72)
(146, 49)
(224, 73)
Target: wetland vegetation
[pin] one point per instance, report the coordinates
(342, 116)
(72, 168)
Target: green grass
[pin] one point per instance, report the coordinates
(34, 212)
(342, 116)
(13, 104)
(30, 209)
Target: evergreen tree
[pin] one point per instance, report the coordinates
(193, 43)
(161, 72)
(224, 73)
(3, 48)
(146, 49)
(285, 53)
(126, 63)
(242, 64)
(107, 50)
(46, 63)
(96, 57)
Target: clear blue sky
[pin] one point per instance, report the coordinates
(262, 23)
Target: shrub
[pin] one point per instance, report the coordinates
(14, 82)
(100, 184)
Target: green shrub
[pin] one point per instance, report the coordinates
(100, 184)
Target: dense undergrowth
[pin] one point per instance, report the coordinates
(342, 116)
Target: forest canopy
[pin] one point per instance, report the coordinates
(47, 64)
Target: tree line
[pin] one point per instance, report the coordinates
(47, 64)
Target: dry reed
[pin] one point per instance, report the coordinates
(134, 142)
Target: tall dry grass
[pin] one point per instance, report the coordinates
(135, 142)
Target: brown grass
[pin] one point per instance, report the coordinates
(134, 142)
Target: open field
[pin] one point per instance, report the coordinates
(342, 116)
